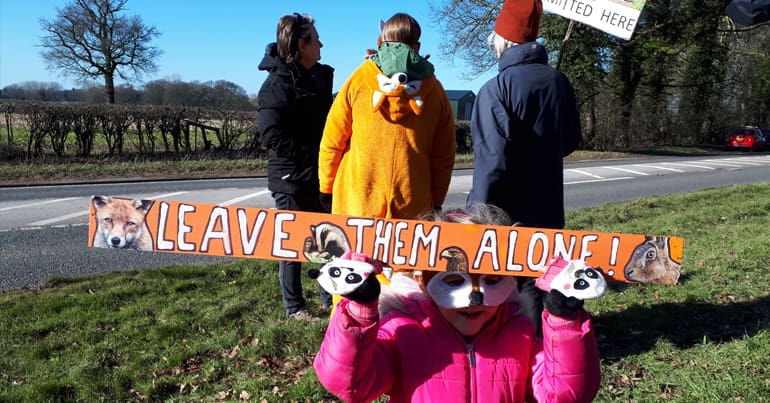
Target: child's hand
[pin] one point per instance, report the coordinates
(558, 304)
(368, 291)
(352, 275)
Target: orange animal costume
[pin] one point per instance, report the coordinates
(388, 147)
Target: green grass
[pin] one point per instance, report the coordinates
(708, 339)
(219, 332)
(185, 333)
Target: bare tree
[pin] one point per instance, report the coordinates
(467, 24)
(90, 39)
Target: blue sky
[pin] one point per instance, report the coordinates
(207, 40)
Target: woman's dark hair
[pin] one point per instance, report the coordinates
(292, 28)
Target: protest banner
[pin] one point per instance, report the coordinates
(262, 233)
(616, 17)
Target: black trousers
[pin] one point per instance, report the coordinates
(289, 272)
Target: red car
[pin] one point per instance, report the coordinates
(748, 138)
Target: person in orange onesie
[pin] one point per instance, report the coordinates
(388, 147)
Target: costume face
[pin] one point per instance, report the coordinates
(468, 301)
(458, 289)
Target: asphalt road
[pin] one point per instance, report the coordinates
(43, 229)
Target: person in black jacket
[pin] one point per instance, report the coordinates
(293, 103)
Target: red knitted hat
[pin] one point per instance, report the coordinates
(519, 20)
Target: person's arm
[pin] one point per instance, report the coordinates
(443, 150)
(490, 123)
(271, 119)
(354, 362)
(334, 143)
(568, 367)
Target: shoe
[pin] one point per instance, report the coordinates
(303, 315)
(326, 308)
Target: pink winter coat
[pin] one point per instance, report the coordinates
(417, 356)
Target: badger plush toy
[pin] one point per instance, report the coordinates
(348, 273)
(572, 278)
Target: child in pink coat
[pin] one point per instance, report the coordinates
(456, 337)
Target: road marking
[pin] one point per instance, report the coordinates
(585, 173)
(82, 224)
(36, 204)
(244, 197)
(690, 165)
(663, 168)
(734, 161)
(166, 195)
(86, 212)
(721, 164)
(57, 219)
(599, 180)
(628, 171)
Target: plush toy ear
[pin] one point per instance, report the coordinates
(573, 278)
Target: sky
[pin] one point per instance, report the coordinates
(207, 40)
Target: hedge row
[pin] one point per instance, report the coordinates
(66, 129)
(148, 129)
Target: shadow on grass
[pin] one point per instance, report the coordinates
(638, 328)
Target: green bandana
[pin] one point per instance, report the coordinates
(398, 57)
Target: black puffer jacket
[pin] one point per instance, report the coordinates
(293, 104)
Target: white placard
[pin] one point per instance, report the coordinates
(616, 17)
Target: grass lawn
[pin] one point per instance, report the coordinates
(205, 333)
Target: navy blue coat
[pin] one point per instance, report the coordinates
(525, 120)
(748, 12)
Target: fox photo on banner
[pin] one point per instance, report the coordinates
(615, 17)
(260, 233)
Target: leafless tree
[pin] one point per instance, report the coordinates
(466, 25)
(91, 39)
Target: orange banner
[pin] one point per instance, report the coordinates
(246, 232)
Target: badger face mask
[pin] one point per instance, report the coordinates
(454, 290)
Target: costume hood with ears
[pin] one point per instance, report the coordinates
(519, 20)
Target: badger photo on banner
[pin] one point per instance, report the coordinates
(615, 17)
